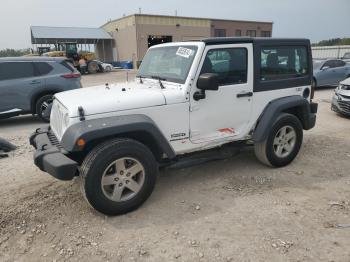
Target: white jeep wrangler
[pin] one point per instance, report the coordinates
(188, 97)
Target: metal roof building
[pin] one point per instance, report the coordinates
(87, 39)
(128, 38)
(80, 35)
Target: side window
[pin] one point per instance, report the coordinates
(329, 64)
(251, 33)
(339, 63)
(230, 64)
(68, 65)
(16, 70)
(265, 34)
(220, 32)
(3, 71)
(283, 63)
(43, 68)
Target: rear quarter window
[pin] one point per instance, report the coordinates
(68, 65)
(43, 68)
(283, 62)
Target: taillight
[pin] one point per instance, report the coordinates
(73, 75)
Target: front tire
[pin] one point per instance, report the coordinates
(118, 176)
(283, 143)
(43, 104)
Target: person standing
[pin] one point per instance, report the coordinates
(83, 66)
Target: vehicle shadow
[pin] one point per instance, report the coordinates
(189, 194)
(215, 186)
(320, 88)
(20, 121)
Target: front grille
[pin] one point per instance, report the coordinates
(57, 119)
(345, 106)
(344, 96)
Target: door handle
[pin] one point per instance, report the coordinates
(35, 82)
(248, 94)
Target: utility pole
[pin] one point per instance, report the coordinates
(140, 10)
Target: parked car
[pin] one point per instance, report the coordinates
(341, 98)
(189, 97)
(330, 72)
(346, 57)
(27, 84)
(105, 66)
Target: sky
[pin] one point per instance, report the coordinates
(313, 19)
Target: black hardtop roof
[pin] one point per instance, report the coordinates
(31, 59)
(254, 40)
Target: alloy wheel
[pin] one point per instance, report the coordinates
(123, 179)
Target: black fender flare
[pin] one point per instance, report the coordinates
(101, 128)
(306, 112)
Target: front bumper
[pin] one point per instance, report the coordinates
(49, 157)
(341, 105)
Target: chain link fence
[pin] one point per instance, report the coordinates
(326, 52)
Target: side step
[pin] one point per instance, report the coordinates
(201, 157)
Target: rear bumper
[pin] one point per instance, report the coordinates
(49, 157)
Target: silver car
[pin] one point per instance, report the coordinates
(330, 72)
(341, 98)
(27, 84)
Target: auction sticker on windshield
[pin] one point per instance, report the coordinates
(184, 52)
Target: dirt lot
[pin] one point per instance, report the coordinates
(231, 210)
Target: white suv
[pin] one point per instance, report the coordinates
(188, 97)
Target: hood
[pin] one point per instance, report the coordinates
(118, 97)
(346, 82)
(344, 88)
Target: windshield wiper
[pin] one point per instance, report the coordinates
(160, 81)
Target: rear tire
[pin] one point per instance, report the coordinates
(42, 104)
(118, 176)
(93, 67)
(314, 83)
(283, 143)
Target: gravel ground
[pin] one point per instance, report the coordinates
(230, 210)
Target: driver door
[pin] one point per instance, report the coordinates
(225, 113)
(330, 74)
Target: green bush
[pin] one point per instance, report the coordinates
(334, 41)
(12, 52)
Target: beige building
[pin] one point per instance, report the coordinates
(134, 34)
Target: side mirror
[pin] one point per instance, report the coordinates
(325, 68)
(208, 81)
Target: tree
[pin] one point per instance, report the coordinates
(13, 52)
(334, 41)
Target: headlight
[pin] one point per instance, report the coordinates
(344, 87)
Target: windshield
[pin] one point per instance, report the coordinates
(171, 63)
(317, 64)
